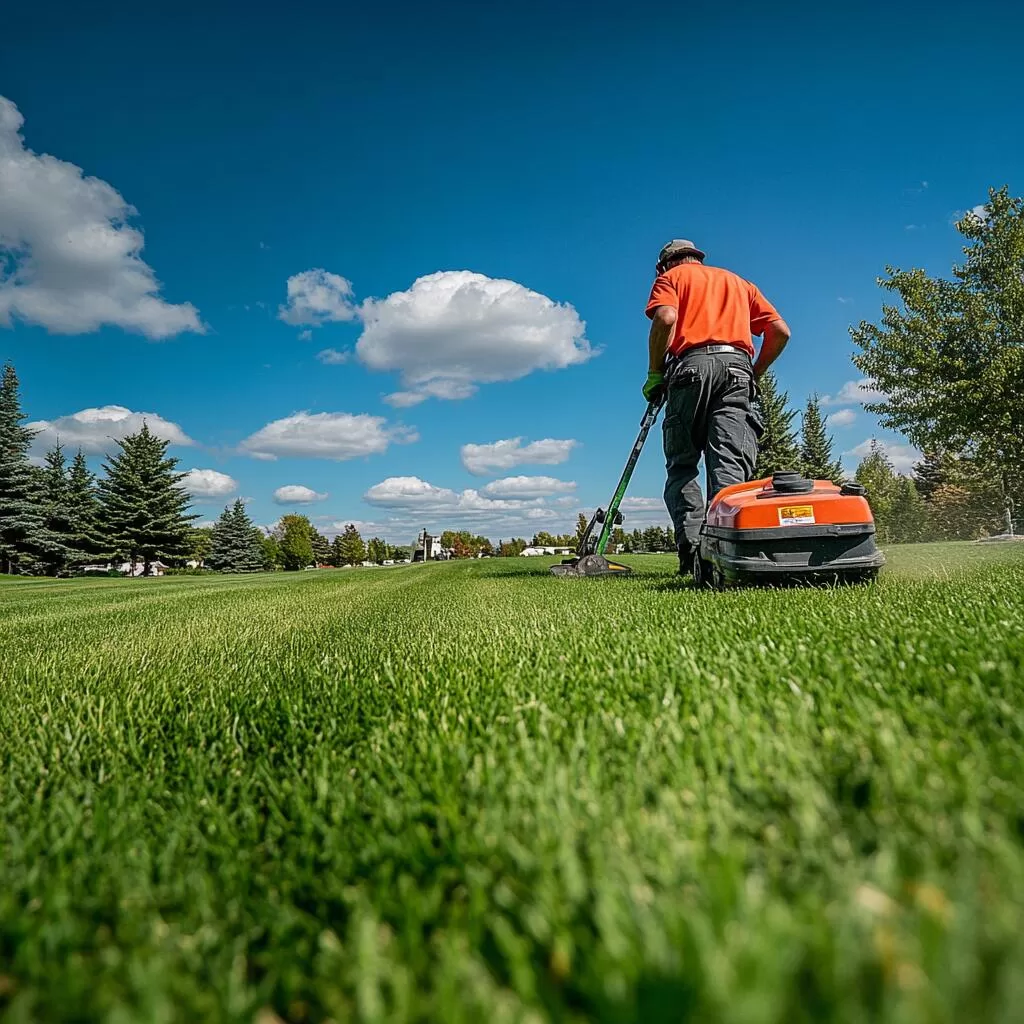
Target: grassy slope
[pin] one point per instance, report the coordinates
(472, 791)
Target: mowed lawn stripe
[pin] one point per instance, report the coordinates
(474, 791)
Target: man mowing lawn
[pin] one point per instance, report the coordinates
(703, 319)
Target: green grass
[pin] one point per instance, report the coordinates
(472, 792)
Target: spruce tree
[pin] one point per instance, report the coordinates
(351, 549)
(143, 507)
(816, 460)
(235, 545)
(56, 518)
(908, 513)
(321, 547)
(83, 510)
(875, 472)
(777, 448)
(24, 539)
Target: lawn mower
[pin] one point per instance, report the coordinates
(781, 529)
(787, 529)
(590, 558)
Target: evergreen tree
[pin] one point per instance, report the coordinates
(143, 507)
(932, 472)
(350, 547)
(908, 513)
(24, 538)
(235, 544)
(581, 529)
(295, 537)
(377, 550)
(321, 547)
(816, 460)
(83, 511)
(777, 449)
(875, 472)
(56, 514)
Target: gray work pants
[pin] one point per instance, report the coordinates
(710, 411)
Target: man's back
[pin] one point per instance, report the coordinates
(714, 305)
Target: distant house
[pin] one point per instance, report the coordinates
(546, 551)
(429, 549)
(127, 569)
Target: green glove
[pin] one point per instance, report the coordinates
(653, 386)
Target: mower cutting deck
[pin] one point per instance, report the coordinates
(787, 529)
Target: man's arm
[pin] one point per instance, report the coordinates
(776, 334)
(663, 321)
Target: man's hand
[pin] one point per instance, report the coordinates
(654, 385)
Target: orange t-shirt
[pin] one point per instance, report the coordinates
(713, 304)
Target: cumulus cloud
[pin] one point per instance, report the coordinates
(208, 483)
(96, 430)
(528, 487)
(70, 260)
(332, 357)
(643, 505)
(455, 329)
(410, 492)
(326, 435)
(296, 494)
(841, 418)
(481, 459)
(404, 399)
(316, 297)
(902, 456)
(862, 391)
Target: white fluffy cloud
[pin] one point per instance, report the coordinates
(410, 492)
(862, 391)
(208, 483)
(96, 430)
(481, 459)
(316, 297)
(454, 329)
(332, 357)
(70, 261)
(841, 418)
(528, 487)
(326, 435)
(643, 505)
(296, 494)
(902, 456)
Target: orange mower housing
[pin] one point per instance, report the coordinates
(785, 529)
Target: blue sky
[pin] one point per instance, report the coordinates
(473, 183)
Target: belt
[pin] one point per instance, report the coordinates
(715, 349)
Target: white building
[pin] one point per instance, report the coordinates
(428, 548)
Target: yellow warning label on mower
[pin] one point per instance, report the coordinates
(796, 515)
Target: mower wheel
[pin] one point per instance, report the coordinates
(706, 575)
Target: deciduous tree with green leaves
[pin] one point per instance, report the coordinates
(948, 357)
(816, 459)
(377, 550)
(294, 535)
(777, 448)
(143, 507)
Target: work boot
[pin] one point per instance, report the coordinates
(685, 561)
